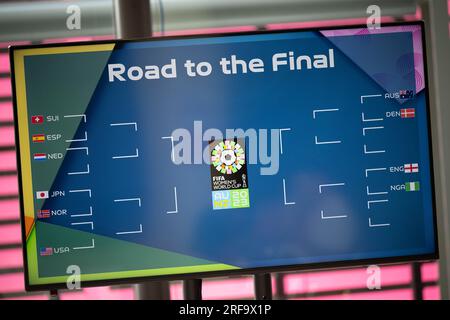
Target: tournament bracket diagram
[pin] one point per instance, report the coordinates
(353, 180)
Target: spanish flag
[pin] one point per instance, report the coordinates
(38, 138)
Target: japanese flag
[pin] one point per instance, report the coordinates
(42, 195)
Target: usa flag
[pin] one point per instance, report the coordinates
(47, 251)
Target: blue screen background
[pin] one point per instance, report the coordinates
(268, 233)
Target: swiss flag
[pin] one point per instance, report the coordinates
(37, 119)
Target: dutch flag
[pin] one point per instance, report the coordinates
(40, 156)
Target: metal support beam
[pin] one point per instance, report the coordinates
(39, 20)
(153, 290)
(279, 286)
(132, 19)
(263, 286)
(438, 49)
(417, 283)
(53, 295)
(192, 289)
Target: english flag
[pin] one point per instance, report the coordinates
(37, 119)
(408, 113)
(411, 167)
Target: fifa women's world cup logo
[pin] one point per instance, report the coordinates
(228, 157)
(229, 174)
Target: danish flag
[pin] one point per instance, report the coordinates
(408, 113)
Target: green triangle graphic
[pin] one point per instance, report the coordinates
(109, 259)
(60, 88)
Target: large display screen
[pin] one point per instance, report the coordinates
(223, 154)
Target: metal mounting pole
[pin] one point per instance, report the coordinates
(192, 289)
(153, 290)
(132, 19)
(417, 283)
(279, 286)
(263, 286)
(54, 295)
(438, 45)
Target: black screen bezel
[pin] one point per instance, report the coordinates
(285, 268)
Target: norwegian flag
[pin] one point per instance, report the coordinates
(408, 113)
(43, 214)
(411, 167)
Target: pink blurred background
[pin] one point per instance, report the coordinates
(396, 281)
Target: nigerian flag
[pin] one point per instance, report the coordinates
(412, 186)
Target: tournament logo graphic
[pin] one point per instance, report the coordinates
(229, 180)
(228, 157)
